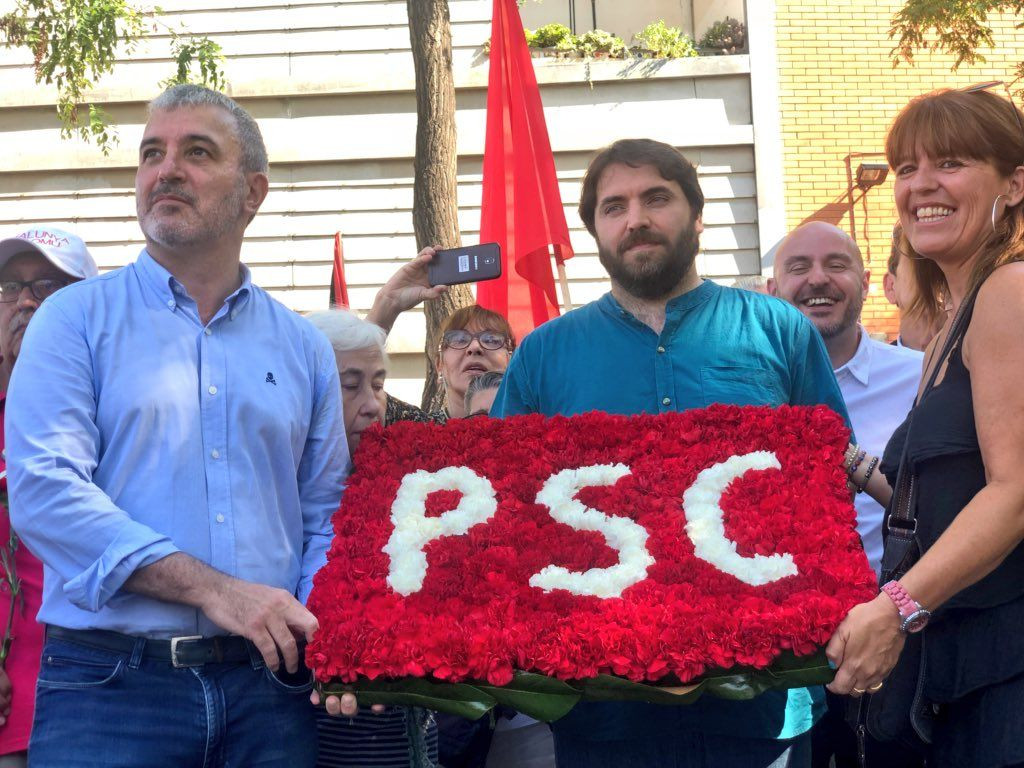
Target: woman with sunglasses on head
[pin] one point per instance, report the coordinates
(941, 645)
(473, 341)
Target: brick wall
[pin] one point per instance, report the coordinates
(838, 93)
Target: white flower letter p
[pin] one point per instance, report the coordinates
(414, 530)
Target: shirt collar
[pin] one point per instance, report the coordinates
(688, 300)
(169, 290)
(859, 366)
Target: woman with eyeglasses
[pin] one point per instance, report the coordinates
(473, 341)
(942, 645)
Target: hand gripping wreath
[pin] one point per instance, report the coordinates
(534, 562)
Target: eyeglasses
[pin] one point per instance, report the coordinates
(461, 339)
(992, 84)
(10, 290)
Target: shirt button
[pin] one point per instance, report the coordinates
(208, 332)
(170, 304)
(220, 518)
(661, 350)
(666, 401)
(214, 454)
(212, 390)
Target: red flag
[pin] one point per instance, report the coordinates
(522, 207)
(339, 288)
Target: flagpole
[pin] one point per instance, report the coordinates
(564, 282)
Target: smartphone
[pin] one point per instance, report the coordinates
(465, 265)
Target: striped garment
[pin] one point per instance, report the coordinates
(369, 740)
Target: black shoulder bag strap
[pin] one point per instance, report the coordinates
(901, 550)
(892, 713)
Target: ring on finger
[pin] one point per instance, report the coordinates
(876, 687)
(858, 691)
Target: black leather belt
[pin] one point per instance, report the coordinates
(190, 651)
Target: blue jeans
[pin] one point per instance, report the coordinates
(99, 709)
(683, 749)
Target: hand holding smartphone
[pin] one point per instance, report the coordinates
(465, 265)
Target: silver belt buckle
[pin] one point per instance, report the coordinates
(174, 649)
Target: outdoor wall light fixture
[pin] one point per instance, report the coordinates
(871, 174)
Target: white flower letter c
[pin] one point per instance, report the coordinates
(702, 504)
(413, 530)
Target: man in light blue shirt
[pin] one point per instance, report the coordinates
(176, 449)
(662, 340)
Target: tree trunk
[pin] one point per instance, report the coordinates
(435, 212)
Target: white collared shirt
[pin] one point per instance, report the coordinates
(878, 384)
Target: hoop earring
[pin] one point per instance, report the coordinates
(994, 204)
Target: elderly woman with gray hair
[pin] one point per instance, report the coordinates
(396, 737)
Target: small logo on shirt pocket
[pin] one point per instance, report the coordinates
(270, 379)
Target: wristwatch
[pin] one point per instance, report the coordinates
(913, 617)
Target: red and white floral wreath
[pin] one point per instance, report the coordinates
(654, 548)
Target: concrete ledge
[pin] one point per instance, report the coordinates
(400, 79)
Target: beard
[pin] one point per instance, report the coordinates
(651, 276)
(200, 226)
(850, 318)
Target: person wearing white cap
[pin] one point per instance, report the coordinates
(33, 265)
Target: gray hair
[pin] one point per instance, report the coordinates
(250, 140)
(489, 380)
(347, 332)
(755, 283)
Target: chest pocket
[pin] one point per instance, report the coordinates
(736, 385)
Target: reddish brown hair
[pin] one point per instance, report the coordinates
(980, 125)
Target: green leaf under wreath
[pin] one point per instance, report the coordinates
(455, 698)
(547, 699)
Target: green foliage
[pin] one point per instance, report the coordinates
(559, 37)
(548, 699)
(728, 36)
(665, 42)
(74, 43)
(569, 44)
(956, 27)
(549, 36)
(599, 41)
(203, 53)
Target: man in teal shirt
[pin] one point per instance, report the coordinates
(664, 339)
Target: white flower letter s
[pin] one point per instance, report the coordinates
(413, 530)
(702, 504)
(622, 534)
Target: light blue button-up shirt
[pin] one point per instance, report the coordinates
(134, 431)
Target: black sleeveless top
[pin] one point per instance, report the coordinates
(975, 638)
